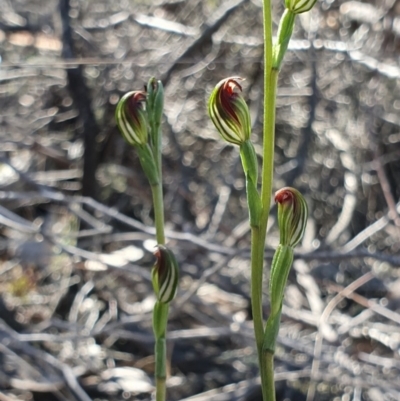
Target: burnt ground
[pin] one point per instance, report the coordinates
(76, 239)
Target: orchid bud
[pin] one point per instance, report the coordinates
(292, 216)
(155, 101)
(132, 119)
(229, 111)
(299, 6)
(165, 274)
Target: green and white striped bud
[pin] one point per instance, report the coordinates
(165, 274)
(292, 216)
(292, 219)
(299, 6)
(131, 118)
(229, 111)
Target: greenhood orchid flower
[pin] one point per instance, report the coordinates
(132, 119)
(292, 215)
(165, 274)
(229, 111)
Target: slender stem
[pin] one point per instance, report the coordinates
(160, 346)
(160, 310)
(270, 84)
(160, 318)
(259, 234)
(257, 256)
(269, 379)
(160, 368)
(256, 288)
(160, 389)
(267, 24)
(271, 80)
(158, 204)
(157, 190)
(156, 129)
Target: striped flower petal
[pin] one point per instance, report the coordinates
(229, 111)
(165, 274)
(132, 119)
(299, 6)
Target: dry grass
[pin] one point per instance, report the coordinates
(76, 299)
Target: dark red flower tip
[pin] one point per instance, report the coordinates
(227, 95)
(284, 195)
(134, 103)
(160, 261)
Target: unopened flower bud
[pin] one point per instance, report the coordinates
(229, 111)
(155, 100)
(292, 216)
(299, 6)
(132, 119)
(165, 274)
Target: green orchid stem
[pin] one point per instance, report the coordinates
(259, 235)
(160, 312)
(160, 389)
(269, 382)
(269, 143)
(158, 205)
(266, 360)
(270, 87)
(160, 318)
(271, 81)
(257, 259)
(157, 189)
(160, 351)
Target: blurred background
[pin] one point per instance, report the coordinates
(76, 240)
